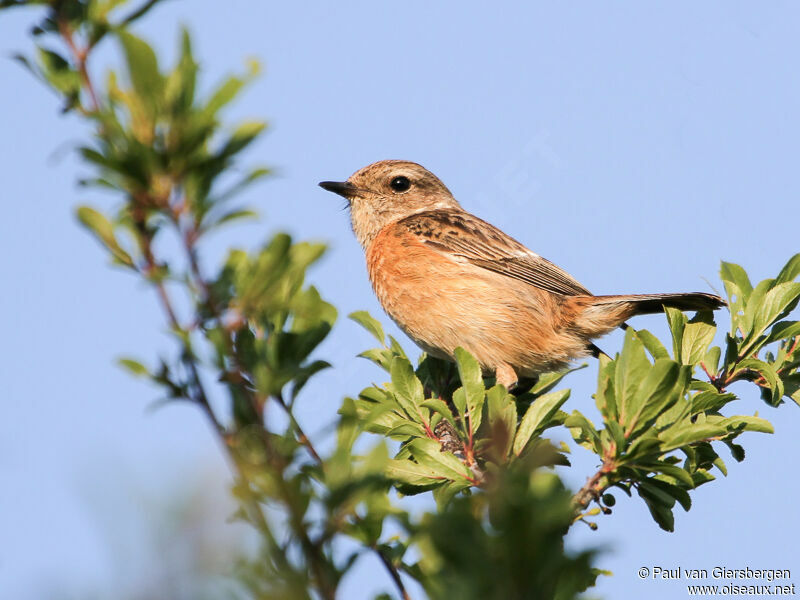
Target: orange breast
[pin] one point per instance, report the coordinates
(443, 302)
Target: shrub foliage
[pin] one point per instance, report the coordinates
(245, 336)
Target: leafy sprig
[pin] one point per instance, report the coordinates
(661, 425)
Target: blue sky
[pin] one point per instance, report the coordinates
(636, 145)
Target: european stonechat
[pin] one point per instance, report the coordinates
(450, 279)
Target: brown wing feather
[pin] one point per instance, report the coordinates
(467, 237)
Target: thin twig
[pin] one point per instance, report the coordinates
(301, 436)
(393, 572)
(80, 57)
(189, 237)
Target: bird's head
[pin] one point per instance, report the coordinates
(387, 191)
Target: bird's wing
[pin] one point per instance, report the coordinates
(466, 237)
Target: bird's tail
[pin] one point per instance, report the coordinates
(597, 315)
(644, 304)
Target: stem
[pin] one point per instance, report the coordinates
(201, 398)
(301, 436)
(593, 487)
(198, 393)
(321, 572)
(318, 564)
(393, 573)
(189, 237)
(326, 588)
(80, 56)
(588, 492)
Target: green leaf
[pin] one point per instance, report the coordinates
(677, 323)
(443, 494)
(58, 72)
(460, 404)
(306, 373)
(440, 407)
(655, 493)
(606, 395)
(645, 446)
(142, 67)
(770, 376)
(653, 344)
(396, 348)
(23, 60)
(714, 427)
(746, 423)
(711, 360)
(730, 272)
(469, 372)
(536, 418)
(673, 471)
(547, 381)
(777, 303)
(230, 216)
(710, 401)
(407, 388)
(406, 429)
(369, 323)
(632, 367)
(655, 394)
(677, 492)
(783, 330)
(183, 79)
(101, 227)
(736, 306)
(427, 452)
(584, 432)
(411, 473)
(241, 137)
(736, 450)
(224, 93)
(380, 418)
(616, 434)
(702, 476)
(661, 514)
(683, 435)
(381, 357)
(251, 177)
(697, 335)
(747, 320)
(133, 366)
(790, 271)
(792, 387)
(502, 415)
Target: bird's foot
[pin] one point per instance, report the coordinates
(505, 375)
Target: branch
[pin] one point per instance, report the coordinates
(594, 487)
(590, 491)
(317, 562)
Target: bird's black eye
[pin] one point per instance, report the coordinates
(400, 184)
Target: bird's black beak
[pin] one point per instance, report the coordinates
(343, 188)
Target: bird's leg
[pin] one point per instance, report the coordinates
(506, 376)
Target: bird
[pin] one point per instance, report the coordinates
(450, 279)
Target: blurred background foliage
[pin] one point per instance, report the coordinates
(244, 337)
